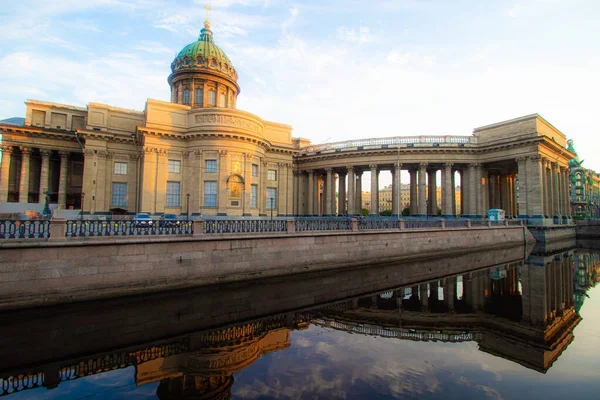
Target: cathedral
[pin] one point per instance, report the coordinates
(194, 155)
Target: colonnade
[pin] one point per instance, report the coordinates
(24, 175)
(531, 186)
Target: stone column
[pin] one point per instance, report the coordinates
(7, 151)
(24, 181)
(473, 189)
(555, 190)
(44, 173)
(263, 187)
(328, 190)
(493, 180)
(296, 190)
(342, 194)
(358, 202)
(566, 200)
(535, 187)
(449, 292)
(545, 192)
(331, 193)
(311, 192)
(464, 192)
(522, 176)
(397, 189)
(432, 189)
(62, 183)
(317, 195)
(453, 190)
(247, 211)
(414, 202)
(374, 189)
(447, 190)
(422, 208)
(485, 195)
(351, 191)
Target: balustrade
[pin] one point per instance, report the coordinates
(15, 229)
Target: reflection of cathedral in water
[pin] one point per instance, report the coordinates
(523, 312)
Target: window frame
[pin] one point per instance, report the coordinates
(255, 170)
(115, 193)
(253, 196)
(210, 170)
(173, 199)
(272, 175)
(187, 96)
(270, 191)
(212, 200)
(118, 171)
(199, 96)
(173, 163)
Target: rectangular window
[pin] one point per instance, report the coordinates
(173, 194)
(211, 165)
(186, 96)
(120, 168)
(254, 196)
(199, 96)
(272, 175)
(119, 194)
(254, 170)
(212, 97)
(210, 194)
(174, 166)
(222, 100)
(271, 198)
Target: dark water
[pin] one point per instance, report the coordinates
(509, 325)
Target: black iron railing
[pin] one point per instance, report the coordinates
(305, 225)
(15, 229)
(245, 226)
(93, 228)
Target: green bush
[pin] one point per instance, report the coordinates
(386, 213)
(406, 212)
(364, 212)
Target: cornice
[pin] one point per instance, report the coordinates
(29, 131)
(205, 135)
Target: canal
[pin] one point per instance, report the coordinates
(505, 324)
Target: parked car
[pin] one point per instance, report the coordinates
(169, 220)
(142, 220)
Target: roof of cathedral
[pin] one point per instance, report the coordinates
(202, 52)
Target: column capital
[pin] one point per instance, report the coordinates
(328, 170)
(25, 150)
(45, 152)
(423, 165)
(373, 166)
(474, 165)
(134, 157)
(448, 165)
(309, 171)
(554, 165)
(7, 148)
(521, 159)
(398, 165)
(535, 158)
(63, 154)
(223, 152)
(350, 168)
(264, 162)
(297, 173)
(563, 169)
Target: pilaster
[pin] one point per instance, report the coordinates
(7, 151)
(44, 173)
(422, 208)
(397, 189)
(328, 190)
(62, 183)
(311, 192)
(352, 209)
(374, 189)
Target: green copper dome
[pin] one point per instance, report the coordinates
(204, 54)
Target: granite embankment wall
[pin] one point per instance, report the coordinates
(66, 270)
(588, 229)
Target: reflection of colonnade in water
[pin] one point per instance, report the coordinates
(523, 312)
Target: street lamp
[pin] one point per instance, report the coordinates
(187, 211)
(82, 198)
(46, 212)
(272, 208)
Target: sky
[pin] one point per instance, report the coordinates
(334, 70)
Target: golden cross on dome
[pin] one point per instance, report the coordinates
(207, 7)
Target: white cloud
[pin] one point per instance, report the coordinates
(362, 35)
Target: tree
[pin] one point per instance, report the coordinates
(364, 212)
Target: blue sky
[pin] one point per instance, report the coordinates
(334, 69)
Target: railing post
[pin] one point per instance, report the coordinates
(58, 229)
(468, 223)
(489, 223)
(354, 225)
(505, 222)
(291, 225)
(198, 227)
(443, 223)
(401, 224)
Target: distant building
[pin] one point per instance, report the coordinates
(585, 188)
